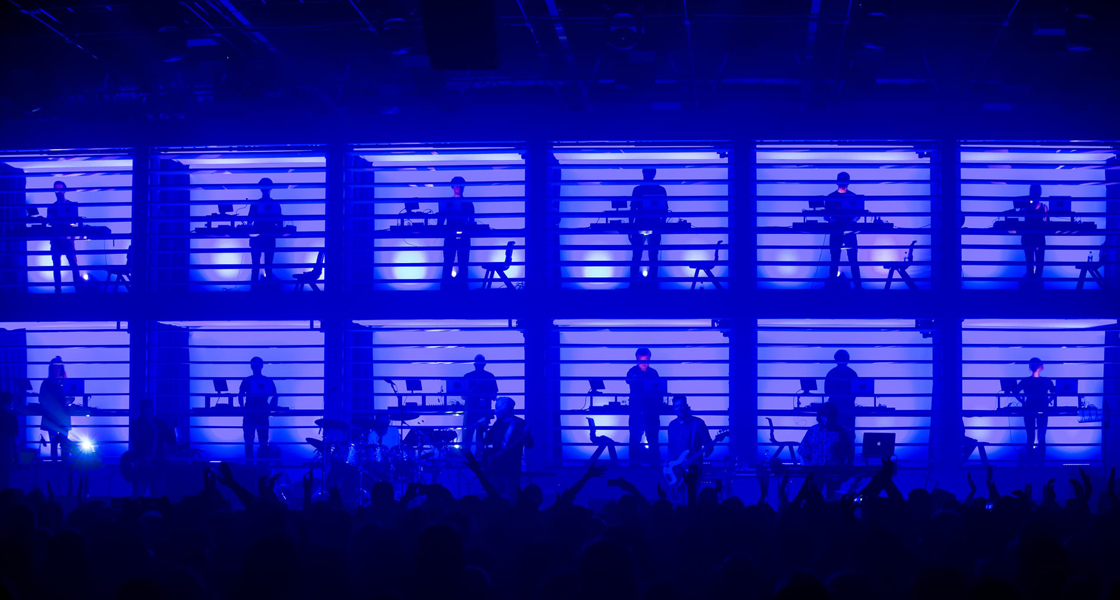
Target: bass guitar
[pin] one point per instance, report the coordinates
(674, 470)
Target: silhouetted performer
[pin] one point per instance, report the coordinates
(645, 408)
(458, 215)
(648, 210)
(827, 444)
(9, 431)
(266, 222)
(505, 445)
(257, 392)
(838, 386)
(687, 432)
(149, 439)
(1034, 244)
(62, 218)
(482, 389)
(56, 409)
(842, 239)
(1036, 393)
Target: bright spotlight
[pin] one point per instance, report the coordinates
(87, 446)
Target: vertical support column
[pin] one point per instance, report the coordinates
(141, 185)
(334, 244)
(947, 419)
(137, 362)
(946, 216)
(540, 403)
(537, 271)
(336, 402)
(1110, 435)
(743, 278)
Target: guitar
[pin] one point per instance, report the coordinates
(674, 469)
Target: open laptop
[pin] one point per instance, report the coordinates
(1065, 386)
(878, 445)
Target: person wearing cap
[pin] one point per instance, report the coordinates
(457, 214)
(56, 410)
(1036, 393)
(645, 409)
(838, 240)
(482, 389)
(62, 218)
(265, 225)
(258, 394)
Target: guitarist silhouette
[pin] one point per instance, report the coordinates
(689, 442)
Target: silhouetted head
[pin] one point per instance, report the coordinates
(266, 186)
(257, 363)
(56, 370)
(681, 407)
(648, 174)
(457, 185)
(841, 357)
(504, 406)
(827, 414)
(1036, 365)
(60, 189)
(479, 362)
(642, 355)
(843, 179)
(146, 408)
(1036, 191)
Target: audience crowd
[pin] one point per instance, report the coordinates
(229, 541)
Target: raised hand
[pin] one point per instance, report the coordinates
(595, 470)
(993, 492)
(1111, 490)
(225, 475)
(661, 495)
(1087, 483)
(1049, 496)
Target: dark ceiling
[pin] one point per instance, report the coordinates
(156, 58)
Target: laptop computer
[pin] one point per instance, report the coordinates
(878, 445)
(864, 386)
(1060, 205)
(1008, 385)
(457, 386)
(73, 387)
(808, 385)
(1066, 386)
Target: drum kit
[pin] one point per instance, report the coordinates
(354, 463)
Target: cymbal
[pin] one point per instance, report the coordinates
(331, 424)
(397, 414)
(317, 444)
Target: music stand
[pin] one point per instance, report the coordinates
(595, 388)
(220, 388)
(225, 209)
(618, 204)
(32, 211)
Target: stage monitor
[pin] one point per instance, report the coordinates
(413, 385)
(225, 208)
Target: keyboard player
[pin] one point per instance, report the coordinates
(843, 207)
(457, 214)
(649, 209)
(1034, 243)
